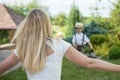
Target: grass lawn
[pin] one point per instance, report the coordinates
(70, 72)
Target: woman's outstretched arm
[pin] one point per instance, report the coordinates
(8, 63)
(79, 58)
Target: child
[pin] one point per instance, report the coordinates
(80, 40)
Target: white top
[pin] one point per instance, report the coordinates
(52, 70)
(78, 38)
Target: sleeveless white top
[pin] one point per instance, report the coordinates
(52, 69)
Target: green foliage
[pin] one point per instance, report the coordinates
(114, 52)
(102, 24)
(115, 17)
(103, 43)
(4, 36)
(98, 39)
(93, 28)
(68, 39)
(102, 50)
(60, 19)
(19, 74)
(73, 17)
(5, 40)
(68, 31)
(113, 40)
(87, 49)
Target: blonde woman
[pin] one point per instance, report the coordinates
(41, 55)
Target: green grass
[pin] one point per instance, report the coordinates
(18, 74)
(70, 72)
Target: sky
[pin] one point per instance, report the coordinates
(57, 6)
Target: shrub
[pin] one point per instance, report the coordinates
(102, 50)
(5, 40)
(98, 39)
(4, 36)
(68, 39)
(113, 40)
(114, 52)
(87, 49)
(117, 43)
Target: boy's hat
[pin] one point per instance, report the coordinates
(79, 25)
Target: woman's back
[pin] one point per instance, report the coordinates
(53, 64)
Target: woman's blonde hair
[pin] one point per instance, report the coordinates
(31, 38)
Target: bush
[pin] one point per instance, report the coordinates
(102, 50)
(113, 40)
(4, 36)
(114, 52)
(87, 49)
(5, 40)
(68, 39)
(98, 39)
(117, 43)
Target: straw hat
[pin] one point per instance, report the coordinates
(79, 25)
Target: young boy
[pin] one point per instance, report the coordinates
(80, 39)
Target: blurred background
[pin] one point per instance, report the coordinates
(101, 19)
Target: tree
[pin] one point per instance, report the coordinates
(59, 19)
(74, 16)
(93, 28)
(95, 20)
(115, 17)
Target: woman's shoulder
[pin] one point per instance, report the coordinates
(59, 41)
(61, 44)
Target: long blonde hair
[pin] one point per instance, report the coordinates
(31, 38)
